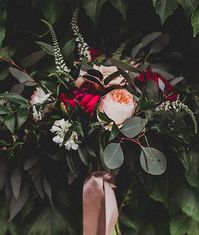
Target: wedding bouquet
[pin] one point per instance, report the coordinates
(92, 118)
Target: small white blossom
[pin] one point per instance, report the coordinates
(71, 142)
(37, 114)
(3, 102)
(60, 128)
(39, 96)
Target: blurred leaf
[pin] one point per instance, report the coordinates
(121, 6)
(4, 110)
(152, 161)
(152, 90)
(83, 154)
(7, 52)
(93, 8)
(133, 126)
(145, 41)
(179, 225)
(22, 77)
(38, 186)
(32, 59)
(189, 6)
(3, 17)
(159, 43)
(48, 191)
(165, 8)
(17, 204)
(30, 162)
(3, 171)
(17, 88)
(195, 21)
(16, 182)
(9, 121)
(68, 52)
(113, 156)
(52, 10)
(48, 48)
(15, 98)
(22, 115)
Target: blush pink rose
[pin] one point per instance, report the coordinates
(118, 105)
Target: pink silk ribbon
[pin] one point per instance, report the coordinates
(100, 211)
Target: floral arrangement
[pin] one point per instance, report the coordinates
(92, 118)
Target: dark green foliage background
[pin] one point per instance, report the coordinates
(163, 205)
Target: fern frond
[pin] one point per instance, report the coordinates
(59, 60)
(83, 48)
(178, 106)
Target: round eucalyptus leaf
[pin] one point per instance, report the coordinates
(153, 161)
(133, 126)
(113, 156)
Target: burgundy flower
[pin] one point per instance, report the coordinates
(82, 96)
(167, 89)
(94, 53)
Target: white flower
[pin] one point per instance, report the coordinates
(39, 96)
(3, 102)
(71, 142)
(37, 115)
(60, 128)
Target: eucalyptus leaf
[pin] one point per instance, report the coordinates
(32, 59)
(133, 126)
(159, 44)
(48, 48)
(16, 182)
(17, 88)
(113, 156)
(21, 76)
(17, 204)
(152, 161)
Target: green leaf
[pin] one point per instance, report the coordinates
(22, 115)
(133, 126)
(159, 43)
(7, 52)
(15, 98)
(83, 155)
(4, 110)
(189, 6)
(17, 88)
(17, 204)
(68, 52)
(165, 8)
(195, 21)
(179, 225)
(93, 8)
(3, 172)
(113, 156)
(152, 161)
(22, 77)
(48, 48)
(121, 6)
(145, 41)
(32, 59)
(16, 182)
(48, 190)
(52, 10)
(3, 18)
(152, 91)
(9, 121)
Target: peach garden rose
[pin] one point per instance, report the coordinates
(118, 105)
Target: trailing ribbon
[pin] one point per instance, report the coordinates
(100, 212)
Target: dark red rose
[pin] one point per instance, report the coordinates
(166, 88)
(82, 96)
(94, 53)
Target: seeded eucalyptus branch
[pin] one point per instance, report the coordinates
(178, 106)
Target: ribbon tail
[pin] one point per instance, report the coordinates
(111, 209)
(93, 207)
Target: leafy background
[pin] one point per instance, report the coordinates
(151, 205)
